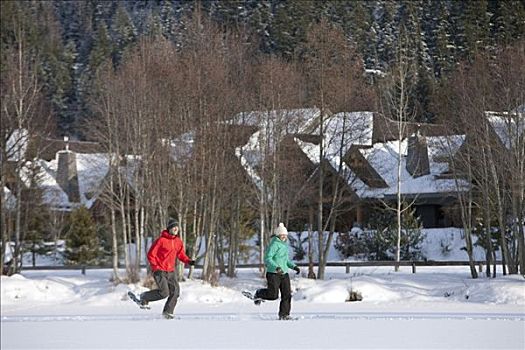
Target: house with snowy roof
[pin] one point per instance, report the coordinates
(65, 179)
(73, 179)
(68, 174)
(361, 150)
(361, 154)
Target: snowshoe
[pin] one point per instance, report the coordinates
(168, 316)
(251, 296)
(287, 318)
(143, 304)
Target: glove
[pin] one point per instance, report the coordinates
(297, 269)
(192, 263)
(279, 271)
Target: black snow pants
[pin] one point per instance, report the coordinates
(277, 282)
(168, 287)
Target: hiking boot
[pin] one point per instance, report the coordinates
(257, 300)
(286, 318)
(144, 304)
(168, 316)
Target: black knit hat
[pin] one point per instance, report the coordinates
(172, 223)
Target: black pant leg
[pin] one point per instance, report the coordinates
(272, 292)
(161, 278)
(286, 296)
(174, 289)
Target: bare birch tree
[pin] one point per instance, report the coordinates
(397, 103)
(21, 104)
(334, 73)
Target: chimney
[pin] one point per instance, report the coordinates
(67, 176)
(417, 156)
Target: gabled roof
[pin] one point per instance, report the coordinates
(91, 172)
(347, 129)
(352, 133)
(16, 145)
(383, 157)
(273, 127)
(251, 156)
(442, 149)
(381, 162)
(508, 127)
(92, 169)
(341, 131)
(52, 193)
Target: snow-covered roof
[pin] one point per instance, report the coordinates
(441, 149)
(341, 131)
(130, 169)
(251, 157)
(312, 152)
(344, 130)
(509, 128)
(273, 127)
(383, 157)
(8, 199)
(444, 147)
(377, 72)
(16, 144)
(92, 169)
(52, 193)
(181, 147)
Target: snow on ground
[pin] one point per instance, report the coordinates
(448, 244)
(436, 308)
(439, 244)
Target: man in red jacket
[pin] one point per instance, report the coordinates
(161, 256)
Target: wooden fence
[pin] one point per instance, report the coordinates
(347, 264)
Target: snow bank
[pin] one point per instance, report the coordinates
(448, 244)
(19, 290)
(377, 287)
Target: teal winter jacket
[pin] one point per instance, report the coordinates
(277, 256)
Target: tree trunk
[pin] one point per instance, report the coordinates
(399, 203)
(465, 205)
(500, 211)
(320, 236)
(487, 215)
(468, 231)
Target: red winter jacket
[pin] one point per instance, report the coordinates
(165, 250)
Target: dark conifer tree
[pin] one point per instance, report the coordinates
(82, 242)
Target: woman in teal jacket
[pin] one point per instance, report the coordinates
(277, 265)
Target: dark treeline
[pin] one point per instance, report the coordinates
(71, 39)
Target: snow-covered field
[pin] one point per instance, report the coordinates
(437, 308)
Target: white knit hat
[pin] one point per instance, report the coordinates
(281, 230)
